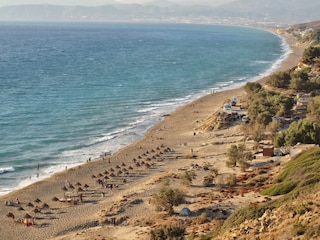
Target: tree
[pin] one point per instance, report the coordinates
(303, 131)
(279, 140)
(266, 104)
(273, 128)
(314, 110)
(252, 88)
(168, 197)
(300, 81)
(234, 154)
(279, 80)
(238, 155)
(310, 54)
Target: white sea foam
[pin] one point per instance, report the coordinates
(7, 169)
(147, 109)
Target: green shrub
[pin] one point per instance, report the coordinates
(232, 180)
(207, 181)
(168, 232)
(187, 177)
(167, 197)
(298, 229)
(203, 218)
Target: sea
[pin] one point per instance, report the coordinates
(74, 91)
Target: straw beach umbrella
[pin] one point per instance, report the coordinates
(55, 199)
(10, 215)
(78, 184)
(36, 210)
(26, 219)
(45, 205)
(27, 216)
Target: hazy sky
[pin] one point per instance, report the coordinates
(100, 2)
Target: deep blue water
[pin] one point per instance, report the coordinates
(72, 91)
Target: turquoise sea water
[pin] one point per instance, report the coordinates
(73, 91)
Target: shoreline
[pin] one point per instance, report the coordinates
(49, 171)
(175, 131)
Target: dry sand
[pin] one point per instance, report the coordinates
(167, 149)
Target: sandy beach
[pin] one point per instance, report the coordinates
(125, 211)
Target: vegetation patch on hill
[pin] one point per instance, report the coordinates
(301, 173)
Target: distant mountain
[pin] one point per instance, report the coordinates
(285, 12)
(281, 11)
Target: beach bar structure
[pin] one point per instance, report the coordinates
(268, 151)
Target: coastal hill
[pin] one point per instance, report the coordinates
(280, 12)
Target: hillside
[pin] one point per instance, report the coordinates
(295, 215)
